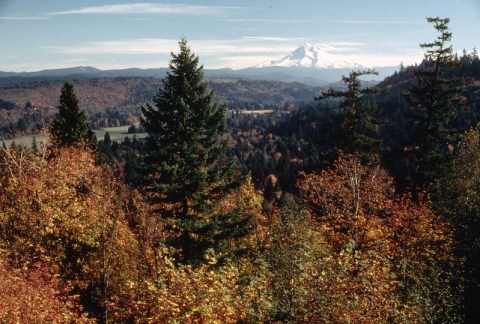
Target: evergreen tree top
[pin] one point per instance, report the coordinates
(356, 125)
(68, 97)
(185, 62)
(438, 51)
(69, 126)
(432, 109)
(354, 86)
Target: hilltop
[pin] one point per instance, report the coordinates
(117, 101)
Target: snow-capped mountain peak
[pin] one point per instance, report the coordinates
(311, 56)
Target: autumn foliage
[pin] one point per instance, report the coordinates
(195, 242)
(93, 249)
(66, 213)
(390, 255)
(34, 296)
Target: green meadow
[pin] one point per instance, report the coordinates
(117, 134)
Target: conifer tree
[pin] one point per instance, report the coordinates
(357, 123)
(431, 102)
(69, 127)
(186, 170)
(35, 147)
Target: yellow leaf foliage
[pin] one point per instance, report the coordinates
(387, 249)
(34, 296)
(67, 211)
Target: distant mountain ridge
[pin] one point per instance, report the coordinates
(76, 73)
(307, 64)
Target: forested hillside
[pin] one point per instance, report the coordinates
(357, 204)
(111, 102)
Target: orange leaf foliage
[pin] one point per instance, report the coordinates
(33, 296)
(385, 246)
(67, 211)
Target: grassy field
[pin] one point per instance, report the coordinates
(117, 134)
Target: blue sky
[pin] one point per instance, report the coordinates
(110, 34)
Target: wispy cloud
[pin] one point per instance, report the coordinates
(375, 22)
(237, 53)
(335, 21)
(341, 47)
(234, 53)
(33, 65)
(24, 18)
(122, 47)
(147, 8)
(137, 19)
(238, 61)
(166, 46)
(273, 39)
(269, 20)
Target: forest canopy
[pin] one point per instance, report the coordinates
(361, 207)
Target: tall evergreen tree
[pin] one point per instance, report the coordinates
(356, 126)
(69, 126)
(186, 169)
(431, 112)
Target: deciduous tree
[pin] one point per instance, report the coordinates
(67, 212)
(461, 203)
(392, 257)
